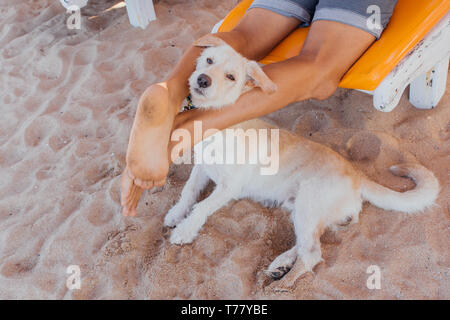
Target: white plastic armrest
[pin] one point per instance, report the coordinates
(432, 53)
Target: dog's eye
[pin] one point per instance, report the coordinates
(209, 60)
(231, 77)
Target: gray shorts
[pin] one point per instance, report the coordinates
(369, 15)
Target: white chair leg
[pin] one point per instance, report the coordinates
(140, 12)
(426, 91)
(430, 52)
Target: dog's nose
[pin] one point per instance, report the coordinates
(203, 81)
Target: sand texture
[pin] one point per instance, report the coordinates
(67, 102)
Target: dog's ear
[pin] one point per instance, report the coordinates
(209, 40)
(257, 78)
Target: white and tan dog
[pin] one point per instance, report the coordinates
(318, 186)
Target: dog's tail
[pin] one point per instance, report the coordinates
(417, 199)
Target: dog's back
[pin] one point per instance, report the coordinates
(298, 159)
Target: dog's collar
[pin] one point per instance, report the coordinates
(189, 105)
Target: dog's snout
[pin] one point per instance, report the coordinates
(203, 81)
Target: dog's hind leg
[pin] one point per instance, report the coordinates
(309, 219)
(307, 255)
(282, 264)
(194, 185)
(187, 230)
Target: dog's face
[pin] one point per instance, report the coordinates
(222, 75)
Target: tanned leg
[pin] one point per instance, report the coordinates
(329, 51)
(147, 155)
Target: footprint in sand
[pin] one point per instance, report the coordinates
(57, 142)
(363, 146)
(444, 133)
(100, 210)
(311, 122)
(44, 173)
(48, 68)
(37, 131)
(85, 56)
(10, 156)
(14, 269)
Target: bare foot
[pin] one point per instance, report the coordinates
(131, 194)
(147, 159)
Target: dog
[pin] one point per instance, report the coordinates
(319, 187)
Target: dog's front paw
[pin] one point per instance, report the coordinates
(174, 216)
(171, 221)
(183, 234)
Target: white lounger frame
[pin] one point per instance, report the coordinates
(140, 12)
(425, 69)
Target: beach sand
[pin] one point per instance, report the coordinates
(68, 98)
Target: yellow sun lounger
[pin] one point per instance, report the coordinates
(413, 50)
